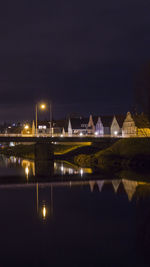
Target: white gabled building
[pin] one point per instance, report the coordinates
(99, 127)
(117, 124)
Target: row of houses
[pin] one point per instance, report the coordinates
(129, 125)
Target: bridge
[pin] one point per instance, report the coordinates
(19, 138)
(44, 145)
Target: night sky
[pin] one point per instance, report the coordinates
(82, 55)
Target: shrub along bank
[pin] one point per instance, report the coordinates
(125, 153)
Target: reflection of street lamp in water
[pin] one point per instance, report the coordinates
(46, 209)
(27, 172)
(44, 212)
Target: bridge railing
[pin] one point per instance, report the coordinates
(58, 135)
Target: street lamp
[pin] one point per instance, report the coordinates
(42, 107)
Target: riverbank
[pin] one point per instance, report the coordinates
(61, 151)
(126, 153)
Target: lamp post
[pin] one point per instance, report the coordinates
(50, 112)
(36, 119)
(42, 106)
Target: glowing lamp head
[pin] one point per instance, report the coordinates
(115, 132)
(42, 106)
(81, 134)
(96, 133)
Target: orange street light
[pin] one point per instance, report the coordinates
(42, 106)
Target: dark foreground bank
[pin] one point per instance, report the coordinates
(125, 153)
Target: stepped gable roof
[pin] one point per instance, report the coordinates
(120, 119)
(141, 120)
(107, 120)
(79, 123)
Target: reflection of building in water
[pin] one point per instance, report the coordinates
(129, 186)
(45, 205)
(116, 184)
(100, 185)
(92, 183)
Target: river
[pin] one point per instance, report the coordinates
(71, 216)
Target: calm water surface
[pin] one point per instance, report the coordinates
(74, 222)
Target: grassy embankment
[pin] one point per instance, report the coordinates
(125, 153)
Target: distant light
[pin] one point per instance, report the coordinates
(61, 135)
(26, 126)
(115, 132)
(81, 134)
(96, 133)
(42, 106)
(11, 144)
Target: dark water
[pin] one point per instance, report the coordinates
(72, 223)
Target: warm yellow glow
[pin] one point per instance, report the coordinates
(44, 212)
(26, 126)
(42, 106)
(27, 171)
(28, 164)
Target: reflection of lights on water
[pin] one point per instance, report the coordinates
(81, 172)
(27, 171)
(62, 168)
(29, 167)
(55, 165)
(44, 212)
(13, 159)
(70, 171)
